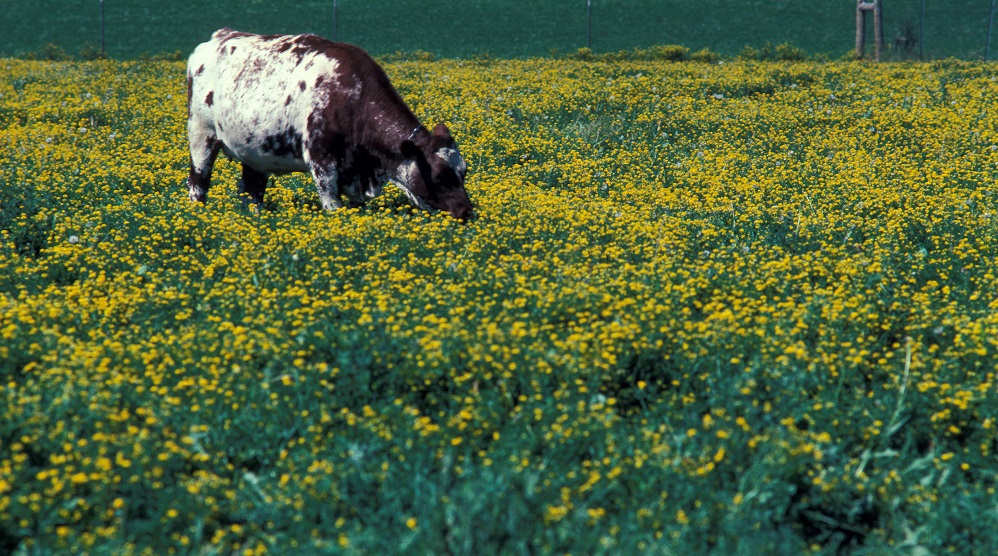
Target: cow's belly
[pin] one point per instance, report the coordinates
(265, 161)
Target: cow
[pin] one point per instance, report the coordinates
(301, 103)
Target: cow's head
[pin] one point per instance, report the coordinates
(436, 175)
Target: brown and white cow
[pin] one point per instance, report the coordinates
(301, 103)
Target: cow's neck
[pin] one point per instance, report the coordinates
(388, 129)
(398, 167)
(400, 170)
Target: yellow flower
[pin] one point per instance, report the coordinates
(554, 514)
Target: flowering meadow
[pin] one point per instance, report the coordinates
(746, 307)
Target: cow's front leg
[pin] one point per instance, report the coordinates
(252, 186)
(326, 182)
(354, 193)
(204, 147)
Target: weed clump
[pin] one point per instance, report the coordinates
(784, 52)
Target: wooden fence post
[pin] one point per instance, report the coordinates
(860, 29)
(863, 6)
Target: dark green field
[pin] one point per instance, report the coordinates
(503, 29)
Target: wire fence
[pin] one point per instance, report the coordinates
(123, 29)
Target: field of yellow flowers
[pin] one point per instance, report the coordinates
(742, 307)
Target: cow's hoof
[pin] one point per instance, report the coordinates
(198, 195)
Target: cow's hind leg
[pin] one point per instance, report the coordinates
(252, 186)
(204, 148)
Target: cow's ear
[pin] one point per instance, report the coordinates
(444, 133)
(410, 150)
(441, 131)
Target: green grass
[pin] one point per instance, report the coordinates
(478, 27)
(737, 309)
